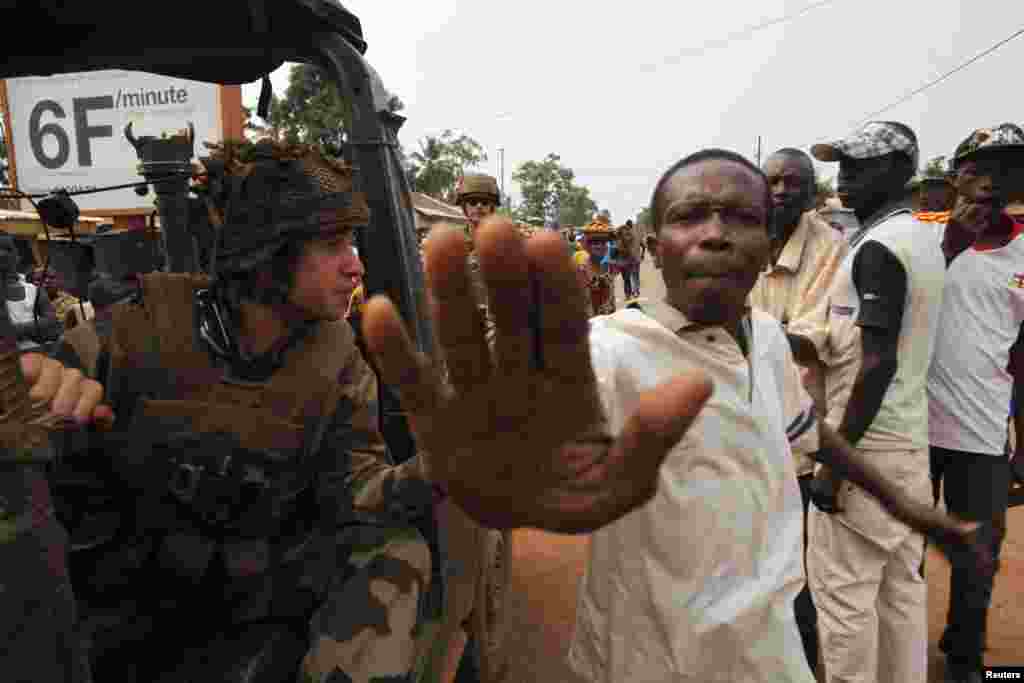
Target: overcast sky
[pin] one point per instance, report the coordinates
(621, 90)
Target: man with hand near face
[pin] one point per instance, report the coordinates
(864, 563)
(969, 381)
(805, 254)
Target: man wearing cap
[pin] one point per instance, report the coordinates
(969, 381)
(805, 254)
(863, 564)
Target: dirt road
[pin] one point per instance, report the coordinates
(547, 567)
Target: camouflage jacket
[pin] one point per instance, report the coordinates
(161, 380)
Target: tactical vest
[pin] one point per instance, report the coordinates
(237, 455)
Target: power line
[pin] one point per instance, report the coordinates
(940, 79)
(746, 32)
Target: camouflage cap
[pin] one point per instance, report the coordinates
(873, 140)
(477, 184)
(1006, 137)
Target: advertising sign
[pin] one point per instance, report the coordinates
(67, 131)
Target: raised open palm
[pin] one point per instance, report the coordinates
(516, 435)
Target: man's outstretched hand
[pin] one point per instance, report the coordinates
(516, 435)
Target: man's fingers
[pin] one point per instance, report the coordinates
(400, 363)
(69, 394)
(44, 378)
(455, 310)
(564, 329)
(32, 366)
(502, 253)
(662, 417)
(91, 393)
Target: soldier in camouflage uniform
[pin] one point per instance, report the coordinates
(478, 558)
(254, 501)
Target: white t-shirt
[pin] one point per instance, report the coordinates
(21, 312)
(902, 420)
(969, 387)
(698, 584)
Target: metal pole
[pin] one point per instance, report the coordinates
(758, 150)
(501, 171)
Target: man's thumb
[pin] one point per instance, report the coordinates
(664, 414)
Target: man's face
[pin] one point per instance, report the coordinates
(862, 181)
(477, 208)
(935, 197)
(713, 240)
(792, 189)
(326, 276)
(988, 179)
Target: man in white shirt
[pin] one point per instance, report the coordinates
(863, 564)
(698, 583)
(31, 313)
(969, 383)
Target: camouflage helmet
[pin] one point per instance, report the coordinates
(262, 196)
(1006, 137)
(477, 184)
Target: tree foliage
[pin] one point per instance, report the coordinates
(550, 193)
(645, 217)
(435, 168)
(936, 168)
(824, 190)
(311, 111)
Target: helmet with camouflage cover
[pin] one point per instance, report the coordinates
(263, 196)
(477, 184)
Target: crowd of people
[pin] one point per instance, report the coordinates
(758, 456)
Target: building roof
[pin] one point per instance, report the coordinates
(435, 208)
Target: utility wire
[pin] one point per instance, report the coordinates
(940, 79)
(698, 50)
(944, 76)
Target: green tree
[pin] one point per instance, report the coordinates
(575, 206)
(549, 190)
(936, 168)
(441, 160)
(644, 217)
(823, 191)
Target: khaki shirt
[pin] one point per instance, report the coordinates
(795, 291)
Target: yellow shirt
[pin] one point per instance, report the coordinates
(795, 290)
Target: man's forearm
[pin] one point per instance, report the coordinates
(855, 467)
(866, 397)
(803, 349)
(1018, 415)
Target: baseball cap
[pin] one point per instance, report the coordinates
(1004, 137)
(874, 139)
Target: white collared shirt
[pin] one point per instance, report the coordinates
(699, 583)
